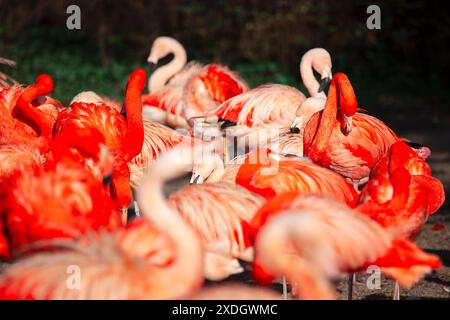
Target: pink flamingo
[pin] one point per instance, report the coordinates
(220, 213)
(313, 238)
(274, 104)
(179, 92)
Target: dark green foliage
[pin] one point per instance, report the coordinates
(401, 65)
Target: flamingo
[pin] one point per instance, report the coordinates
(59, 199)
(401, 194)
(23, 122)
(124, 137)
(132, 262)
(179, 92)
(312, 238)
(275, 105)
(220, 213)
(343, 140)
(269, 174)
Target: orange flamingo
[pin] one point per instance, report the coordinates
(124, 135)
(401, 194)
(312, 238)
(343, 140)
(58, 200)
(268, 174)
(134, 262)
(23, 122)
(179, 92)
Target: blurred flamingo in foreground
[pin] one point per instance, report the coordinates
(60, 199)
(179, 92)
(311, 239)
(220, 213)
(134, 262)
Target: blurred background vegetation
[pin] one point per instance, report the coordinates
(403, 65)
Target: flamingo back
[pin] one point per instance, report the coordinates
(266, 104)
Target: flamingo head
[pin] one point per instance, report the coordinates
(321, 63)
(161, 47)
(211, 168)
(305, 112)
(44, 83)
(346, 101)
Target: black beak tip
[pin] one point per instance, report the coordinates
(324, 84)
(196, 179)
(152, 66)
(294, 130)
(107, 180)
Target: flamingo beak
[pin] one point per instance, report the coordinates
(152, 66)
(324, 84)
(347, 125)
(196, 179)
(107, 180)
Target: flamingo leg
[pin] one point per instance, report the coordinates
(351, 281)
(396, 294)
(124, 216)
(285, 290)
(137, 212)
(225, 149)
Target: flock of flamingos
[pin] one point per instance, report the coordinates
(325, 191)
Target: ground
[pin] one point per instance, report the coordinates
(429, 128)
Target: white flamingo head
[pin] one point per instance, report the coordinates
(162, 47)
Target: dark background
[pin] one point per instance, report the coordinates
(405, 64)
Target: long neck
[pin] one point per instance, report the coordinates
(326, 125)
(160, 77)
(27, 113)
(133, 107)
(312, 285)
(187, 269)
(307, 75)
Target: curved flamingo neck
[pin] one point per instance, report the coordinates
(26, 112)
(341, 105)
(160, 77)
(187, 269)
(307, 72)
(134, 138)
(326, 125)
